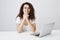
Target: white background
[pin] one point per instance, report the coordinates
(46, 11)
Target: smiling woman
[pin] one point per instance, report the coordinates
(26, 17)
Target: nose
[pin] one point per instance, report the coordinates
(26, 10)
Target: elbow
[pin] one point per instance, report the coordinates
(18, 29)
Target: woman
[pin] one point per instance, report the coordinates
(26, 17)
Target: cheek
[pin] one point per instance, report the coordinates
(24, 10)
(29, 11)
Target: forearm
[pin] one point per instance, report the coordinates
(32, 26)
(22, 22)
(28, 22)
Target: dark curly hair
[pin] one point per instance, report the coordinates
(31, 14)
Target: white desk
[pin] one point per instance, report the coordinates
(13, 35)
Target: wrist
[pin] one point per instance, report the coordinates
(26, 15)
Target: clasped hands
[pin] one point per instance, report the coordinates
(25, 17)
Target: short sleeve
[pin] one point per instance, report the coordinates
(18, 20)
(32, 21)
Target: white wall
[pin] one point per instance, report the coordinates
(45, 10)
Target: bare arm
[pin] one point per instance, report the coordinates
(22, 23)
(20, 26)
(33, 26)
(30, 23)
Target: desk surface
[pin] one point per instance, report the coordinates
(13, 35)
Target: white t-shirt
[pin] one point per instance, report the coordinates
(18, 21)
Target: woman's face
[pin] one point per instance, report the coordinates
(26, 9)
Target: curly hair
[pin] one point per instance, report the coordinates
(31, 14)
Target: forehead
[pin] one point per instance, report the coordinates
(26, 5)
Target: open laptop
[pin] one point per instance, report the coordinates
(46, 29)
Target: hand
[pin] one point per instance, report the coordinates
(25, 16)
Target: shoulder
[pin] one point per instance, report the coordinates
(18, 20)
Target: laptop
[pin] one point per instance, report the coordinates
(46, 29)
